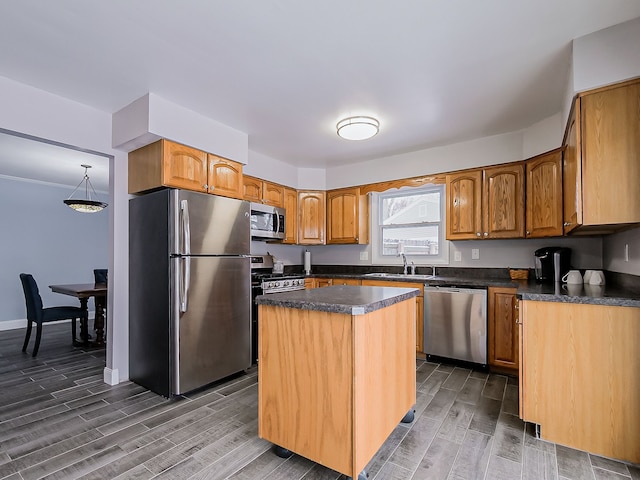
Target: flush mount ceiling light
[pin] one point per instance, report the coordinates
(358, 128)
(86, 205)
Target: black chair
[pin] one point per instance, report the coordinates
(100, 275)
(39, 315)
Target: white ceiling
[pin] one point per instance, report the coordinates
(285, 71)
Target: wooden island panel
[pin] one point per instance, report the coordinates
(333, 386)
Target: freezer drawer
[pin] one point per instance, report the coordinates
(455, 323)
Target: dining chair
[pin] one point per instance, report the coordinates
(100, 275)
(37, 314)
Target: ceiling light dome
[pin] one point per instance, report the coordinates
(358, 128)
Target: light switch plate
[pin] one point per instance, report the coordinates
(475, 253)
(457, 256)
(364, 255)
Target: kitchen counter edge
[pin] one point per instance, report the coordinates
(349, 299)
(611, 295)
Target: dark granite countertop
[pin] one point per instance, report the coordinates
(352, 300)
(609, 294)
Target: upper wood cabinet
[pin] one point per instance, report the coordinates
(503, 201)
(464, 205)
(252, 189)
(601, 167)
(502, 331)
(311, 217)
(291, 208)
(544, 195)
(486, 203)
(261, 191)
(169, 164)
(347, 216)
(272, 194)
(225, 177)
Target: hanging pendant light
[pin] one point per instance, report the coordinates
(86, 205)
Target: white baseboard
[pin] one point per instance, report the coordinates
(111, 376)
(22, 323)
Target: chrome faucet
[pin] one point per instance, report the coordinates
(413, 268)
(404, 260)
(433, 270)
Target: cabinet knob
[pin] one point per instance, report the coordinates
(205, 186)
(486, 234)
(528, 232)
(566, 224)
(478, 234)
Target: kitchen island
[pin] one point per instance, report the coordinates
(336, 369)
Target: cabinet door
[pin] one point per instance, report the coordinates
(291, 207)
(346, 281)
(344, 217)
(502, 329)
(572, 173)
(272, 194)
(252, 189)
(323, 282)
(503, 201)
(310, 283)
(544, 195)
(464, 205)
(311, 218)
(610, 134)
(184, 167)
(225, 177)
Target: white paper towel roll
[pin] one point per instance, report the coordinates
(307, 262)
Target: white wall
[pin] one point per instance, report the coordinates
(606, 56)
(614, 252)
(41, 114)
(44, 237)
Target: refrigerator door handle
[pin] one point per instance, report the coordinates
(186, 227)
(185, 284)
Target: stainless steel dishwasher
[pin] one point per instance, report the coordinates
(455, 323)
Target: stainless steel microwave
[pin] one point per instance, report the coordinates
(267, 222)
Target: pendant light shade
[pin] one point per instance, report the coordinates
(86, 205)
(358, 128)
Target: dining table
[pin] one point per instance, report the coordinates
(83, 292)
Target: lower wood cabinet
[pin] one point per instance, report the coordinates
(502, 331)
(579, 378)
(419, 305)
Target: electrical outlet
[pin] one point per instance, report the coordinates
(364, 255)
(475, 253)
(626, 252)
(457, 256)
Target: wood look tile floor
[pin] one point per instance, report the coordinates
(58, 420)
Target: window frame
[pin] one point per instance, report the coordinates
(442, 258)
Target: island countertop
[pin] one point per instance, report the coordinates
(352, 300)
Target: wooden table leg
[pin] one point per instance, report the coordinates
(98, 322)
(84, 328)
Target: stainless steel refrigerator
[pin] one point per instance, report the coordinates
(189, 290)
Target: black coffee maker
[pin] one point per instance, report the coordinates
(551, 263)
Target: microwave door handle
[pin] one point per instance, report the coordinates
(277, 222)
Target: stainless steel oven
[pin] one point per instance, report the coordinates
(265, 282)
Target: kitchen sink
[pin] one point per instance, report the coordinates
(399, 276)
